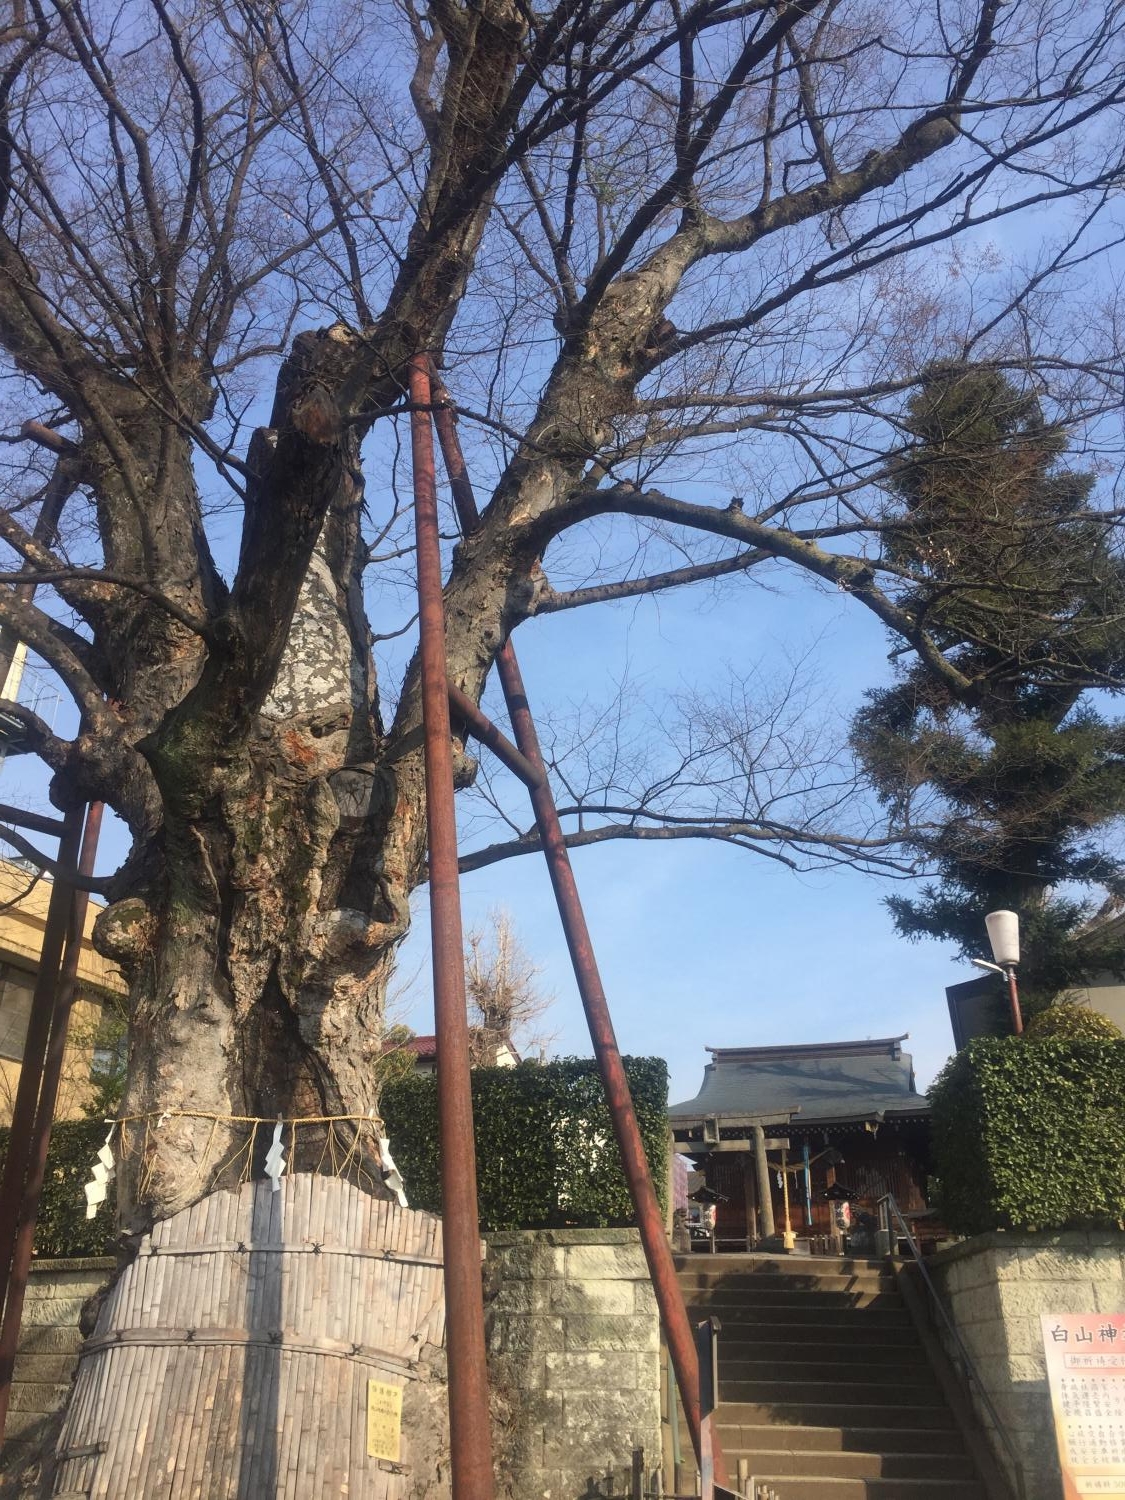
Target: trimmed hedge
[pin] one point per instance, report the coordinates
(1065, 1021)
(1031, 1135)
(545, 1152)
(62, 1228)
(546, 1156)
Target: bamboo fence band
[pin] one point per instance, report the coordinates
(231, 1359)
(231, 1247)
(166, 1338)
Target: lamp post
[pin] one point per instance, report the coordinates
(1004, 939)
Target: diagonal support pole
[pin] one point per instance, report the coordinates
(44, 1117)
(469, 1428)
(678, 1331)
(21, 1132)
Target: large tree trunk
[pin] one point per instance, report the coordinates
(276, 840)
(259, 946)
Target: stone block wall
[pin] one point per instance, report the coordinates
(50, 1339)
(574, 1360)
(995, 1287)
(573, 1349)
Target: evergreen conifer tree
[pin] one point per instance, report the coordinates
(1012, 791)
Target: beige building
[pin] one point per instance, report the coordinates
(23, 916)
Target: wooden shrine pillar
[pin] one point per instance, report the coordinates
(765, 1198)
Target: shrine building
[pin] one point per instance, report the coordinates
(797, 1145)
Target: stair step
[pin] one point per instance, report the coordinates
(843, 1300)
(840, 1413)
(874, 1392)
(749, 1264)
(832, 1328)
(812, 1281)
(747, 1439)
(896, 1358)
(860, 1465)
(798, 1314)
(805, 1364)
(811, 1487)
(824, 1387)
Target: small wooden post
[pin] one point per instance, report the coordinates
(707, 1350)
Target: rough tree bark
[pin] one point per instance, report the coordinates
(620, 159)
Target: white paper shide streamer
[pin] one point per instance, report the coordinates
(101, 1177)
(275, 1158)
(391, 1174)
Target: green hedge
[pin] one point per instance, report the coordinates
(545, 1152)
(62, 1228)
(1031, 1135)
(546, 1155)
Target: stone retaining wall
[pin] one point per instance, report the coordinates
(48, 1354)
(995, 1287)
(574, 1340)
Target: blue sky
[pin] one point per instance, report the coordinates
(702, 944)
(699, 944)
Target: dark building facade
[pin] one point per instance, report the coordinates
(823, 1125)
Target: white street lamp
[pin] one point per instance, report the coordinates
(1004, 938)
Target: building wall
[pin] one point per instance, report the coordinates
(75, 1088)
(995, 1287)
(1106, 995)
(23, 915)
(574, 1340)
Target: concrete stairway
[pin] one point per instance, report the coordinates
(825, 1389)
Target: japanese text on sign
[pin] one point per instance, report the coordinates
(1085, 1355)
(384, 1421)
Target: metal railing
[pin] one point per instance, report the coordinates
(889, 1211)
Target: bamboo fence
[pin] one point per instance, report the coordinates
(231, 1359)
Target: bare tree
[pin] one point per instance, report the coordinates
(507, 1008)
(681, 262)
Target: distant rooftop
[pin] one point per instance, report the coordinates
(807, 1083)
(421, 1046)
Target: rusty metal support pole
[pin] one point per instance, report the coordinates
(1014, 1000)
(44, 531)
(35, 1044)
(650, 1220)
(481, 727)
(44, 1117)
(469, 1427)
(678, 1332)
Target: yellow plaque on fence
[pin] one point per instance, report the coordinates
(384, 1420)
